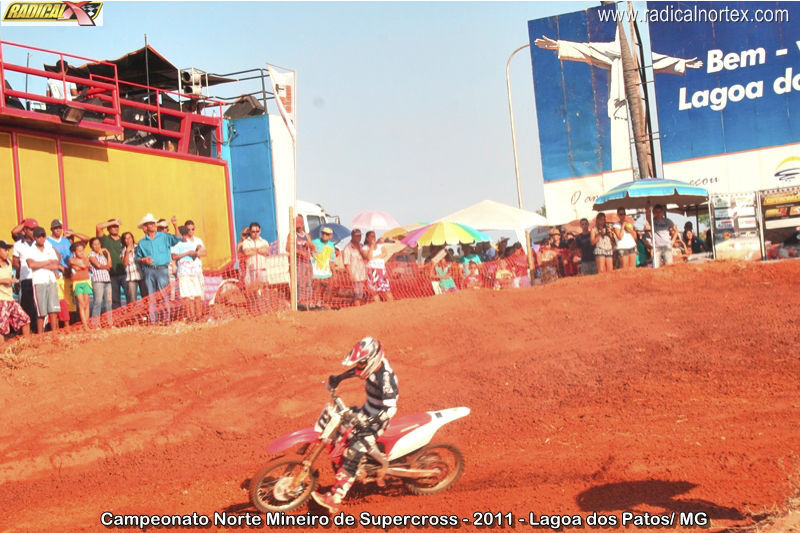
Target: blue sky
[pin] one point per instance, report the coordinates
(401, 106)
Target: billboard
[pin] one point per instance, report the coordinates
(728, 126)
(582, 111)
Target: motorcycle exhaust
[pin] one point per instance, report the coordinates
(410, 472)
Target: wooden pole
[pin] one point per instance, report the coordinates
(292, 260)
(531, 266)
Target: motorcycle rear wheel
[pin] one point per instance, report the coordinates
(270, 491)
(446, 459)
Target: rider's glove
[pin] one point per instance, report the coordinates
(333, 382)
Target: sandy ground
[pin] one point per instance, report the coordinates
(645, 392)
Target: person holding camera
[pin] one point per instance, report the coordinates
(602, 238)
(625, 237)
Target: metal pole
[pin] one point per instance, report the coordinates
(263, 90)
(513, 131)
(147, 70)
(292, 260)
(27, 65)
(294, 187)
(711, 221)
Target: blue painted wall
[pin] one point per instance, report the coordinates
(249, 152)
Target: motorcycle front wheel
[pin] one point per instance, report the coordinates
(271, 488)
(444, 459)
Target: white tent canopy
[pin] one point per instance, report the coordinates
(489, 215)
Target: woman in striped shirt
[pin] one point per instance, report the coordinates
(99, 265)
(133, 276)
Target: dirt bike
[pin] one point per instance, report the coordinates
(403, 451)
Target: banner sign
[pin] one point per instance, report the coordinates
(581, 107)
(283, 86)
(579, 94)
(732, 120)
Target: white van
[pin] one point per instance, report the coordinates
(314, 215)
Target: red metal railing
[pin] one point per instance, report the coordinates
(196, 105)
(103, 105)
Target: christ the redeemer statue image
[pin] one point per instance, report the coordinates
(609, 57)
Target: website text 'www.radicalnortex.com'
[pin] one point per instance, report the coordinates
(673, 13)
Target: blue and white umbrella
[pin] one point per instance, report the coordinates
(649, 192)
(339, 232)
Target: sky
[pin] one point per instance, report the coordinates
(401, 106)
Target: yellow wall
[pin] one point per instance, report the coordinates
(8, 211)
(102, 183)
(38, 175)
(108, 183)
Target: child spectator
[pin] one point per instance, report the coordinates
(571, 267)
(442, 273)
(11, 314)
(503, 276)
(81, 285)
(99, 265)
(473, 279)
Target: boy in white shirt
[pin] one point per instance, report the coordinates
(43, 261)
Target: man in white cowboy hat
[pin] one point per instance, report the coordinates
(153, 254)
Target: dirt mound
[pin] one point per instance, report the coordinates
(649, 392)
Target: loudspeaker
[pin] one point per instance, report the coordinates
(244, 106)
(71, 115)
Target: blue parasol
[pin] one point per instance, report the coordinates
(339, 232)
(648, 192)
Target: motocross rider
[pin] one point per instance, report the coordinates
(367, 361)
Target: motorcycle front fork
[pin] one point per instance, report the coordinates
(308, 461)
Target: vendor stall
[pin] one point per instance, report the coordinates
(780, 211)
(735, 226)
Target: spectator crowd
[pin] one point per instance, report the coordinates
(69, 277)
(602, 247)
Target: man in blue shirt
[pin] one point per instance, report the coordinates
(153, 254)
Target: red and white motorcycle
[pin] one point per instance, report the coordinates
(406, 453)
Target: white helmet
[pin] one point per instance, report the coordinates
(366, 356)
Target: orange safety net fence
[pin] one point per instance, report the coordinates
(237, 292)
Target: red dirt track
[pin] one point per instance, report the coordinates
(646, 391)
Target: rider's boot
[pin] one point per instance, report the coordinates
(378, 455)
(333, 499)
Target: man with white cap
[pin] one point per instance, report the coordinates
(154, 256)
